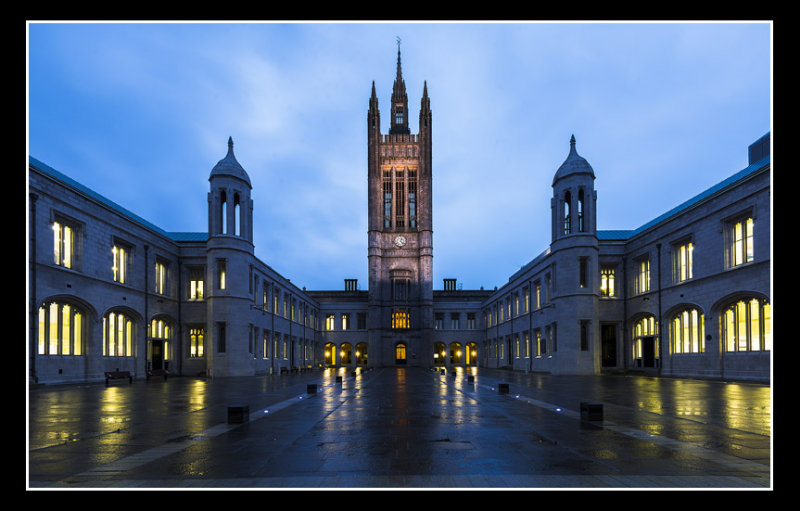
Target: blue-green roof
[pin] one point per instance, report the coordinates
(174, 236)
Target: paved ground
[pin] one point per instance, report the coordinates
(401, 428)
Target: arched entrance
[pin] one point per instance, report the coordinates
(471, 354)
(400, 353)
(361, 354)
(346, 354)
(439, 354)
(455, 353)
(330, 354)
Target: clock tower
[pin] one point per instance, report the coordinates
(400, 236)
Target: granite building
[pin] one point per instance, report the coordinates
(687, 293)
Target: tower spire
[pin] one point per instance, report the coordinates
(399, 123)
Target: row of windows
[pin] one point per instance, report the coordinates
(739, 251)
(518, 302)
(404, 193)
(455, 321)
(745, 326)
(346, 321)
(62, 332)
(524, 344)
(66, 253)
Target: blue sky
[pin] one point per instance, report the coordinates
(141, 113)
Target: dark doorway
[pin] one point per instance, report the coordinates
(649, 351)
(608, 335)
(156, 354)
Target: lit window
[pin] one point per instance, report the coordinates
(221, 274)
(161, 277)
(688, 332)
(400, 197)
(400, 318)
(746, 326)
(117, 335)
(60, 330)
(345, 321)
(682, 261)
(196, 342)
(643, 275)
(63, 244)
(412, 199)
(330, 322)
(196, 282)
(740, 242)
(387, 199)
(119, 267)
(607, 282)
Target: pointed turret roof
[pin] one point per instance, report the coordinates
(228, 166)
(574, 164)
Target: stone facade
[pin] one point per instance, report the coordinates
(111, 291)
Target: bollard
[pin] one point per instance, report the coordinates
(238, 414)
(339, 378)
(311, 388)
(591, 411)
(471, 378)
(441, 371)
(502, 388)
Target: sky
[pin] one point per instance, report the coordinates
(141, 112)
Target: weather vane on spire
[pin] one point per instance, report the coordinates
(398, 44)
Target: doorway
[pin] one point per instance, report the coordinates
(156, 354)
(649, 351)
(608, 336)
(400, 354)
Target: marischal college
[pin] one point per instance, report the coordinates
(685, 294)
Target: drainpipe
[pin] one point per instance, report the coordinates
(272, 333)
(146, 324)
(625, 351)
(33, 309)
(660, 337)
(179, 350)
(530, 326)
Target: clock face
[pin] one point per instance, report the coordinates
(400, 241)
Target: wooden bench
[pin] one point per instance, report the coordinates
(157, 372)
(118, 375)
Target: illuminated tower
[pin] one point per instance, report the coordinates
(400, 232)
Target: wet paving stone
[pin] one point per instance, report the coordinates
(399, 428)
